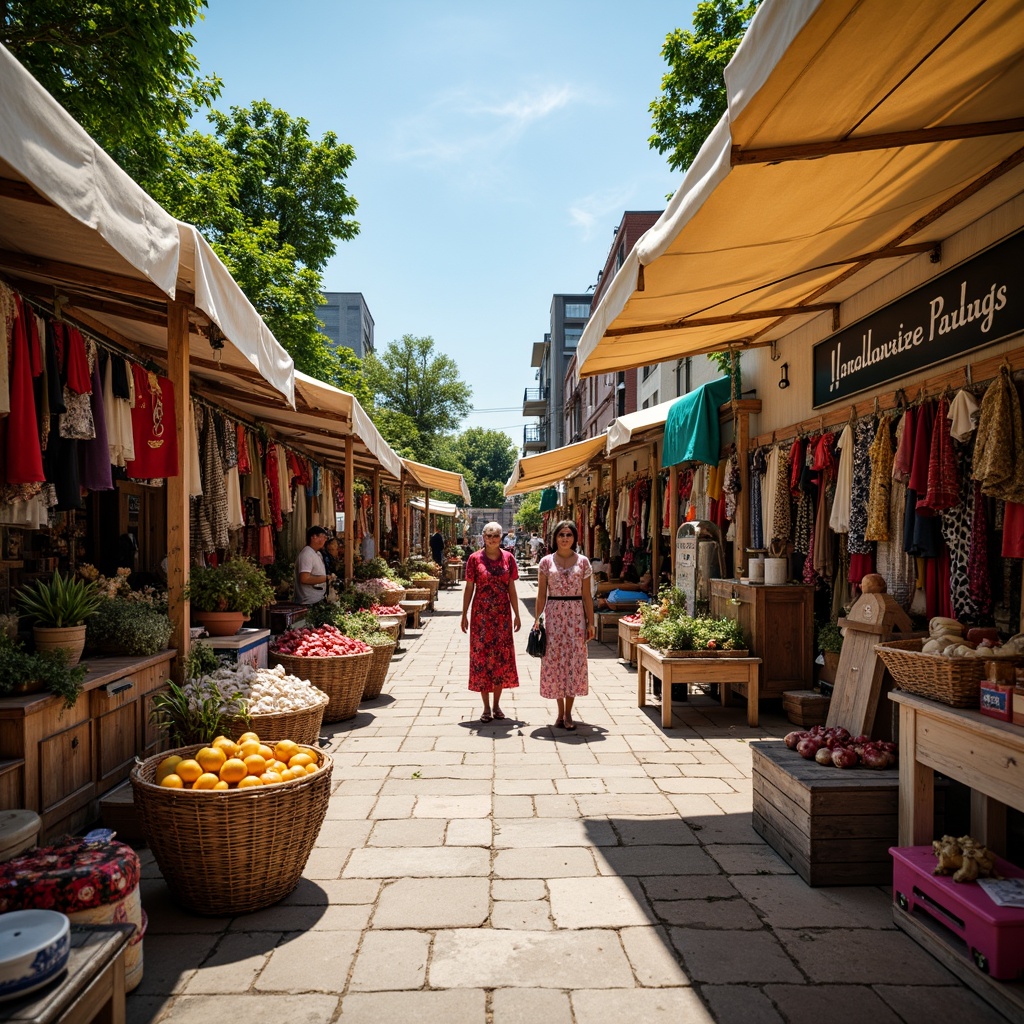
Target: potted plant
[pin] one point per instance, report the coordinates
(23, 673)
(58, 608)
(125, 626)
(830, 643)
(224, 596)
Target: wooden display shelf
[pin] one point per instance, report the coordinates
(628, 639)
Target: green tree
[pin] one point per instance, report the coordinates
(412, 379)
(273, 203)
(124, 69)
(693, 95)
(529, 515)
(489, 457)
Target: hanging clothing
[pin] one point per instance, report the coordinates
(94, 455)
(881, 455)
(893, 563)
(212, 504)
(1013, 530)
(195, 483)
(758, 465)
(999, 453)
(863, 436)
(117, 412)
(839, 521)
(19, 431)
(153, 427)
(957, 530)
(963, 415)
(284, 480)
(943, 490)
(8, 313)
(978, 565)
(923, 535)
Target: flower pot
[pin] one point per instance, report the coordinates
(220, 623)
(69, 638)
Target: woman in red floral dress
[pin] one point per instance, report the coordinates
(491, 577)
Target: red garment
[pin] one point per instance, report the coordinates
(904, 456)
(76, 362)
(943, 479)
(937, 585)
(977, 562)
(492, 652)
(860, 566)
(923, 429)
(825, 455)
(1013, 530)
(153, 427)
(273, 491)
(21, 446)
(797, 456)
(244, 466)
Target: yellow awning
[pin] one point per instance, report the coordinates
(858, 134)
(433, 479)
(548, 468)
(437, 507)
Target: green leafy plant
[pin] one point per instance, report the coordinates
(375, 568)
(682, 633)
(323, 613)
(50, 668)
(716, 634)
(196, 711)
(830, 638)
(201, 660)
(237, 585)
(365, 626)
(671, 634)
(281, 574)
(60, 601)
(130, 627)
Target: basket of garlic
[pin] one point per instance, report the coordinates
(275, 703)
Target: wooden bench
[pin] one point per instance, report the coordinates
(606, 622)
(741, 671)
(413, 610)
(92, 986)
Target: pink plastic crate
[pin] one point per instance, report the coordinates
(994, 935)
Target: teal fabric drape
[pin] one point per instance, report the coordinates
(548, 499)
(691, 430)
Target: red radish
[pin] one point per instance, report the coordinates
(823, 756)
(875, 758)
(793, 738)
(844, 758)
(808, 747)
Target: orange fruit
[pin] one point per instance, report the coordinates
(265, 752)
(285, 749)
(287, 775)
(255, 765)
(211, 758)
(229, 746)
(250, 780)
(300, 760)
(270, 778)
(206, 781)
(248, 747)
(233, 770)
(166, 766)
(172, 781)
(246, 736)
(189, 770)
(276, 766)
(221, 784)
(312, 768)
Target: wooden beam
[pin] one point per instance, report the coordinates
(870, 143)
(178, 487)
(724, 318)
(401, 517)
(376, 512)
(673, 519)
(350, 512)
(22, 191)
(140, 314)
(56, 270)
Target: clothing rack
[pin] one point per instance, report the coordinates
(969, 375)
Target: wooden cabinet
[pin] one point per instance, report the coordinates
(59, 761)
(778, 623)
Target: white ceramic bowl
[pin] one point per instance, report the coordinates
(34, 949)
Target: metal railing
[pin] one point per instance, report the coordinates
(535, 395)
(534, 435)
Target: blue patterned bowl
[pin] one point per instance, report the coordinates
(34, 949)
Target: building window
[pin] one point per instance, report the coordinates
(646, 374)
(577, 310)
(647, 402)
(654, 398)
(572, 336)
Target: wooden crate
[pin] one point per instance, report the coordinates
(805, 707)
(833, 826)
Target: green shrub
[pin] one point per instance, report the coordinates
(59, 601)
(50, 668)
(130, 627)
(237, 585)
(830, 638)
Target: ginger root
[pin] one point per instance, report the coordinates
(964, 858)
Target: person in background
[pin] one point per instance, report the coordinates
(311, 574)
(437, 547)
(490, 591)
(509, 543)
(535, 545)
(368, 548)
(331, 555)
(564, 591)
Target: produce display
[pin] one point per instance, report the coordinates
(264, 691)
(387, 609)
(225, 764)
(632, 620)
(964, 858)
(376, 587)
(326, 641)
(946, 637)
(837, 748)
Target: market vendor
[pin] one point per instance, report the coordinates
(311, 575)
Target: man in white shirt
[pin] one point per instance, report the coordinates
(310, 573)
(535, 545)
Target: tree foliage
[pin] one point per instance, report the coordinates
(693, 95)
(410, 379)
(489, 457)
(529, 515)
(124, 69)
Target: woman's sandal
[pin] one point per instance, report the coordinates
(559, 724)
(485, 717)
(498, 713)
(569, 724)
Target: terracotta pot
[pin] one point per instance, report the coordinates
(69, 638)
(220, 623)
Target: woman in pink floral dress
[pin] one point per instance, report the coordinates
(563, 591)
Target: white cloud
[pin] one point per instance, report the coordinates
(604, 207)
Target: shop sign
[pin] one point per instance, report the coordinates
(974, 304)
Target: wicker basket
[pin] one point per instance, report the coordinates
(953, 681)
(378, 670)
(342, 678)
(236, 850)
(391, 625)
(391, 597)
(302, 726)
(417, 593)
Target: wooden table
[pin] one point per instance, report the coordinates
(741, 671)
(92, 987)
(413, 610)
(981, 752)
(605, 621)
(628, 634)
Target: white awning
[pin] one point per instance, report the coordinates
(433, 479)
(858, 133)
(73, 223)
(623, 429)
(548, 468)
(438, 507)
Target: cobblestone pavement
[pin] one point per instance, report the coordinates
(512, 872)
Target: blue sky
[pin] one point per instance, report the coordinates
(496, 149)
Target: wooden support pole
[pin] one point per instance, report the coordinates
(401, 517)
(350, 508)
(673, 518)
(178, 487)
(376, 512)
(424, 540)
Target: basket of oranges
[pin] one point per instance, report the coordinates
(232, 824)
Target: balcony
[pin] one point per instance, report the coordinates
(535, 401)
(535, 439)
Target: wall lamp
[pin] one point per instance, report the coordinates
(784, 379)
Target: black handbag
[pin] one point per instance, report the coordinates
(537, 641)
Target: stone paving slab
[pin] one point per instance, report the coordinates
(517, 874)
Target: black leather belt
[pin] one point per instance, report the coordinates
(576, 597)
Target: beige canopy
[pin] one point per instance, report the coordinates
(623, 429)
(430, 479)
(858, 134)
(548, 468)
(74, 225)
(438, 508)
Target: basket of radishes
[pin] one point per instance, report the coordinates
(331, 661)
(836, 748)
